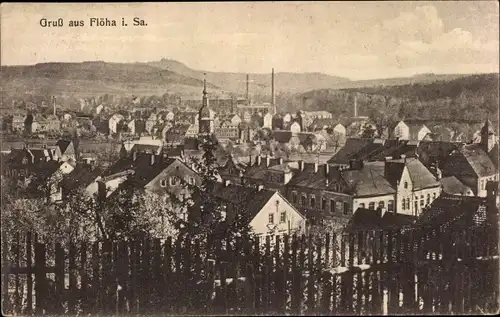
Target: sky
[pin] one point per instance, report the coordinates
(358, 40)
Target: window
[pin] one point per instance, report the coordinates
(403, 204)
(390, 205)
(191, 180)
(323, 203)
(381, 204)
(332, 205)
(163, 183)
(362, 205)
(406, 184)
(416, 206)
(312, 201)
(338, 206)
(371, 205)
(422, 201)
(303, 202)
(482, 184)
(271, 218)
(428, 199)
(294, 197)
(346, 208)
(172, 181)
(283, 217)
(408, 203)
(433, 196)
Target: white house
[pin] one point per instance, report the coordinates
(113, 122)
(131, 126)
(287, 118)
(340, 129)
(99, 108)
(269, 212)
(295, 127)
(170, 116)
(416, 187)
(410, 131)
(268, 121)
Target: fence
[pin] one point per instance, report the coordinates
(438, 270)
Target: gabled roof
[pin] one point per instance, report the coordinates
(351, 147)
(469, 160)
(453, 186)
(420, 176)
(366, 219)
(63, 144)
(449, 208)
(282, 136)
(368, 181)
(251, 198)
(493, 154)
(80, 177)
(144, 171)
(146, 148)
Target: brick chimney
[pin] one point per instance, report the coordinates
(268, 160)
(315, 167)
(258, 160)
(227, 182)
(301, 165)
(280, 160)
(327, 169)
(260, 187)
(152, 158)
(134, 155)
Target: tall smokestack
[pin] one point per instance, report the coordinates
(54, 104)
(248, 80)
(355, 106)
(273, 102)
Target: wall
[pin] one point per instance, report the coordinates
(375, 200)
(433, 193)
(294, 221)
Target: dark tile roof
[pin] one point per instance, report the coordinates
(146, 148)
(63, 144)
(251, 199)
(351, 147)
(318, 180)
(368, 181)
(420, 176)
(366, 219)
(430, 151)
(453, 186)
(282, 136)
(80, 177)
(469, 160)
(144, 171)
(493, 154)
(448, 208)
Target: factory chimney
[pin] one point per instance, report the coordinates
(355, 106)
(273, 101)
(247, 96)
(54, 104)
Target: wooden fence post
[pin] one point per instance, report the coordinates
(59, 279)
(29, 278)
(6, 271)
(72, 291)
(279, 287)
(17, 254)
(96, 283)
(250, 289)
(40, 278)
(310, 278)
(286, 268)
(167, 274)
(296, 278)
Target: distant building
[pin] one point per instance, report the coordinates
(409, 130)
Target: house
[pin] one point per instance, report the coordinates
(268, 211)
(471, 165)
(150, 122)
(267, 121)
(278, 122)
(232, 170)
(227, 130)
(67, 150)
(287, 118)
(365, 220)
(295, 127)
(113, 123)
(410, 130)
(176, 134)
(416, 187)
(272, 173)
(154, 173)
(18, 123)
(351, 148)
(79, 178)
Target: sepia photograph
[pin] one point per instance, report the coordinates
(325, 158)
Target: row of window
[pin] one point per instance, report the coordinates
(405, 202)
(174, 180)
(282, 217)
(381, 204)
(335, 206)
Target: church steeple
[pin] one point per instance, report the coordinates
(487, 136)
(205, 117)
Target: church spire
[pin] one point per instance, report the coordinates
(204, 84)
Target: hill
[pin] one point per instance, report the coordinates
(94, 78)
(260, 84)
(470, 98)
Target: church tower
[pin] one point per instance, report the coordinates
(487, 136)
(205, 115)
